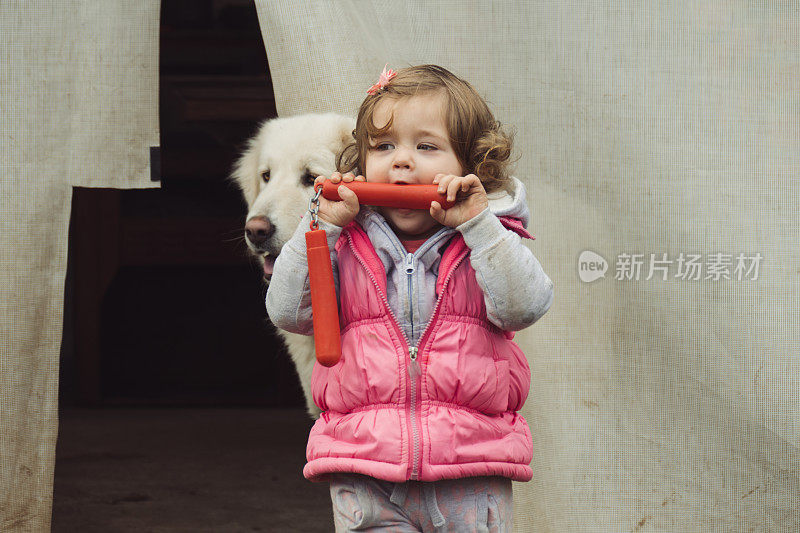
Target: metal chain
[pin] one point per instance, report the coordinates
(313, 208)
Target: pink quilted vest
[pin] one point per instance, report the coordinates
(457, 418)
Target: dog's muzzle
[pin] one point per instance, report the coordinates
(257, 232)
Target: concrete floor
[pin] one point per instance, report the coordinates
(186, 470)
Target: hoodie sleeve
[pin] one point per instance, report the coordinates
(516, 290)
(288, 295)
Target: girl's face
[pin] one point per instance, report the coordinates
(415, 150)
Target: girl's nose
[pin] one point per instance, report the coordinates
(402, 159)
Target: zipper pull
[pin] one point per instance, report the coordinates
(410, 263)
(413, 367)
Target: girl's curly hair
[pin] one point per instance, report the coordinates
(482, 146)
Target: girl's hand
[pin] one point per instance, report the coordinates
(339, 213)
(470, 199)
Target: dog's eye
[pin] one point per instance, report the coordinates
(308, 179)
(265, 176)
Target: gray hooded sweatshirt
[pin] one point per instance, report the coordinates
(516, 290)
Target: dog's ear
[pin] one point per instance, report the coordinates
(245, 171)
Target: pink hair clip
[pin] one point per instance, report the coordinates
(383, 80)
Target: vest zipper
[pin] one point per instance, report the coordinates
(414, 369)
(415, 365)
(410, 277)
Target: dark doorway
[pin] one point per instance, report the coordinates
(179, 409)
(164, 306)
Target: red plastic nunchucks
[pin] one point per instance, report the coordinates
(408, 196)
(327, 341)
(325, 309)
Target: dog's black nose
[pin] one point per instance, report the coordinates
(258, 230)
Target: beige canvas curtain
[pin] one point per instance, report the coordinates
(662, 141)
(78, 107)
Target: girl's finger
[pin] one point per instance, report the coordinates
(452, 188)
(348, 197)
(437, 212)
(444, 181)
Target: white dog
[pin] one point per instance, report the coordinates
(276, 174)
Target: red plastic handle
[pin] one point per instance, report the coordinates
(408, 196)
(327, 340)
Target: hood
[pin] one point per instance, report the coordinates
(511, 202)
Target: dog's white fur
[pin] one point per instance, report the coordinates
(294, 150)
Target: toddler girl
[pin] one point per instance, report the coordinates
(419, 428)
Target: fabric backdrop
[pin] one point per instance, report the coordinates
(78, 107)
(644, 128)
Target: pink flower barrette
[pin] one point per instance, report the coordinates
(383, 80)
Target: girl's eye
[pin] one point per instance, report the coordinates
(425, 146)
(384, 146)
